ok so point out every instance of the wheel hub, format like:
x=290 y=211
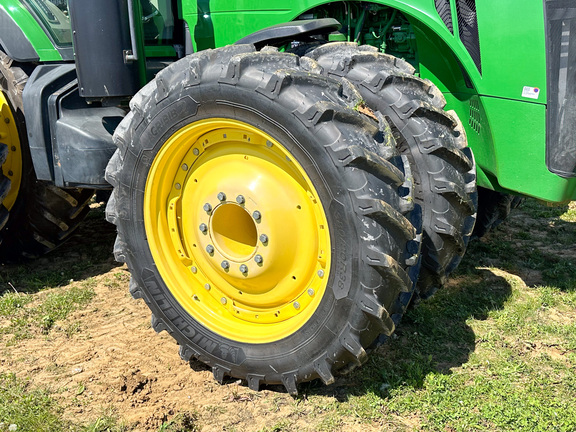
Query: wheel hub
x=238 y=232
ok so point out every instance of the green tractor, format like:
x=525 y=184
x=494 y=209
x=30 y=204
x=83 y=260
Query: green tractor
x=286 y=176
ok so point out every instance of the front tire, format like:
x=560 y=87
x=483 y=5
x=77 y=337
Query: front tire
x=264 y=221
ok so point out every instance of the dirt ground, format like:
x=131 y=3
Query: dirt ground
x=117 y=363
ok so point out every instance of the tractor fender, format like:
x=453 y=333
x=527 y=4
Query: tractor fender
x=13 y=40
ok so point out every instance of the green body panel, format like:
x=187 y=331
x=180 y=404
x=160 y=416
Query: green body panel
x=33 y=31
x=506 y=130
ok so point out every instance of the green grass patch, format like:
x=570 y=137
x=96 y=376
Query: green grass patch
x=27 y=315
x=28 y=409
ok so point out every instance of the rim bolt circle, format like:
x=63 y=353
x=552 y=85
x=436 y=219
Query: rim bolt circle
x=225 y=265
x=258 y=259
x=207 y=208
x=210 y=249
x=264 y=238
x=203 y=227
x=221 y=196
x=257 y=215
x=240 y=199
x=244 y=268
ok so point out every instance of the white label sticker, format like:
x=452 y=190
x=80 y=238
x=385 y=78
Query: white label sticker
x=531 y=92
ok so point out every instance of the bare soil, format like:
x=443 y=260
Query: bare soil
x=116 y=363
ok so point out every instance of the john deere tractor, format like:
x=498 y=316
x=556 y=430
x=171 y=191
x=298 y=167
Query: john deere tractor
x=286 y=176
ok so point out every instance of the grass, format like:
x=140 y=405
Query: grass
x=27 y=316
x=495 y=350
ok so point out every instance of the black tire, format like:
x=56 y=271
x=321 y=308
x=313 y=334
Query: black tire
x=42 y=216
x=434 y=141
x=493 y=208
x=352 y=163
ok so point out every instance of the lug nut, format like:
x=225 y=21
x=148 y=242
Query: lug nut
x=196 y=152
x=256 y=215
x=210 y=249
x=258 y=259
x=244 y=268
x=296 y=305
x=223 y=300
x=184 y=167
x=207 y=208
x=264 y=238
x=207 y=287
x=194 y=269
x=240 y=199
x=225 y=265
x=221 y=196
x=321 y=273
x=310 y=292
x=203 y=227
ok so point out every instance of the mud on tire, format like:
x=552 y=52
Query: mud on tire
x=434 y=141
x=354 y=176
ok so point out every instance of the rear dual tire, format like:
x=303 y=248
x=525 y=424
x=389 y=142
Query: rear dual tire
x=433 y=140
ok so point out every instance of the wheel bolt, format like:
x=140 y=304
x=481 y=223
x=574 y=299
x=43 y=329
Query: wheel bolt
x=321 y=273
x=207 y=287
x=210 y=249
x=310 y=292
x=225 y=265
x=203 y=227
x=256 y=215
x=223 y=300
x=184 y=167
x=194 y=269
x=207 y=208
x=258 y=259
x=240 y=199
x=296 y=305
x=221 y=196
x=244 y=268
x=264 y=238
x=196 y=152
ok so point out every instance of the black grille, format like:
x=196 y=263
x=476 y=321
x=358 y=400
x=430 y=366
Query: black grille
x=443 y=9
x=561 y=90
x=475 y=119
x=468 y=29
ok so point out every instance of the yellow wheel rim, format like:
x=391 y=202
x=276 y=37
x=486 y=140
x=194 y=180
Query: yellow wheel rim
x=12 y=166
x=237 y=230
